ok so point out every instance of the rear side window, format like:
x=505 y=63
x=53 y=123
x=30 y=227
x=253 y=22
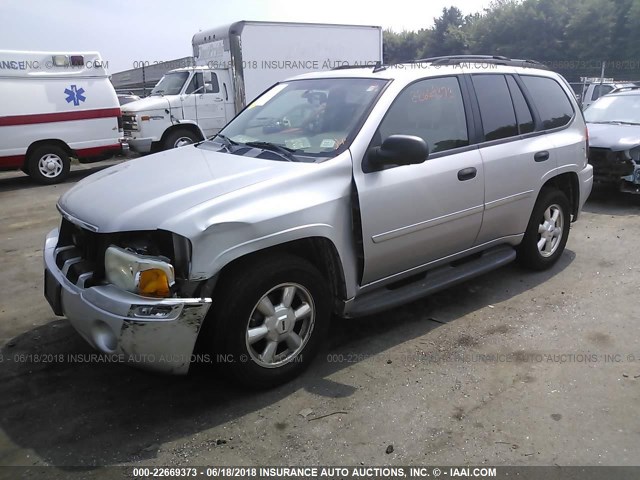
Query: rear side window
x=431 y=109
x=523 y=114
x=551 y=101
x=496 y=109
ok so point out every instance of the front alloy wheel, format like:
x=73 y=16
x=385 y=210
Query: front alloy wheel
x=280 y=325
x=269 y=318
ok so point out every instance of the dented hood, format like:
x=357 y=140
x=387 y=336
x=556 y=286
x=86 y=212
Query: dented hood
x=615 y=137
x=147 y=192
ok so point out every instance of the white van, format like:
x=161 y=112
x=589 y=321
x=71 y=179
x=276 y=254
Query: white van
x=54 y=106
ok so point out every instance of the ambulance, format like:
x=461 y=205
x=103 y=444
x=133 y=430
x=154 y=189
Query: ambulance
x=55 y=106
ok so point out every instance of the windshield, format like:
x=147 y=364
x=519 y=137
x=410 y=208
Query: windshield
x=309 y=118
x=614 y=109
x=170 y=84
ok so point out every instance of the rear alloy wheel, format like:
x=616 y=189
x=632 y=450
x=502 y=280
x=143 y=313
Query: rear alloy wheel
x=268 y=325
x=180 y=138
x=48 y=164
x=547 y=232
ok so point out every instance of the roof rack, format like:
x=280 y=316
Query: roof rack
x=377 y=67
x=625 y=89
x=492 y=59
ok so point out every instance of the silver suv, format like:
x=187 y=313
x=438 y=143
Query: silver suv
x=344 y=192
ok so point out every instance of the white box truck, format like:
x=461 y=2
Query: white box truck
x=233 y=65
x=55 y=105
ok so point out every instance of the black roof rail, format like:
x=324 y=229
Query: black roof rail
x=348 y=67
x=489 y=59
x=625 y=89
x=377 y=67
x=461 y=58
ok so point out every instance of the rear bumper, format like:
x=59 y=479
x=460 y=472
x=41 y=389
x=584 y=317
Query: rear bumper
x=109 y=319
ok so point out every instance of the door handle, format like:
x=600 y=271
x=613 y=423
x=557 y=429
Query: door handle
x=217 y=100
x=467 y=174
x=541 y=156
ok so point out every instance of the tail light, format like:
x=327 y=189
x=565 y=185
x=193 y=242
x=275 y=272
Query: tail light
x=586 y=144
x=586 y=135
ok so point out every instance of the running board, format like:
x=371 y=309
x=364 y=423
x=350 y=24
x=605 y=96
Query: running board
x=433 y=281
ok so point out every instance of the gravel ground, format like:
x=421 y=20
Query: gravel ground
x=511 y=368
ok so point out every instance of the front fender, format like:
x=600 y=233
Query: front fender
x=224 y=243
x=315 y=203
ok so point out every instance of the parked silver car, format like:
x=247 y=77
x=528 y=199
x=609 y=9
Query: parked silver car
x=344 y=192
x=614 y=139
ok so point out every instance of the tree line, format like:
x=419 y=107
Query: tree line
x=572 y=37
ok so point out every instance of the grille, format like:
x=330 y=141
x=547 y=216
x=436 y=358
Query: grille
x=79 y=254
x=128 y=121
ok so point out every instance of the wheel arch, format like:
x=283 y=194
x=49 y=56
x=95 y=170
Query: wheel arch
x=186 y=125
x=319 y=251
x=49 y=141
x=568 y=184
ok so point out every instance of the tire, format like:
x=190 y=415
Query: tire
x=179 y=138
x=48 y=164
x=547 y=231
x=284 y=343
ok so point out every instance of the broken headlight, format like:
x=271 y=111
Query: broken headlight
x=147 y=275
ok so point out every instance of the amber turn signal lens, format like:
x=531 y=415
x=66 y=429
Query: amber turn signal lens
x=153 y=283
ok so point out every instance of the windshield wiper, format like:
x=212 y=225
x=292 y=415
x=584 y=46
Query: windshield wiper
x=227 y=142
x=286 y=152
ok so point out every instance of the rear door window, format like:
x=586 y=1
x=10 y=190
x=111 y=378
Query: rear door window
x=496 y=109
x=553 y=105
x=523 y=113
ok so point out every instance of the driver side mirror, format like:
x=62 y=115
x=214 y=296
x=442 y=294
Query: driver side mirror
x=208 y=88
x=399 y=150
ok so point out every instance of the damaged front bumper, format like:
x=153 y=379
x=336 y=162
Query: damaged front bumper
x=156 y=334
x=615 y=168
x=631 y=182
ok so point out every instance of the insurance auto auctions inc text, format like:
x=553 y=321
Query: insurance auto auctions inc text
x=351 y=472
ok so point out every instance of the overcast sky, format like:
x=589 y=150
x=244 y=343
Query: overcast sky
x=124 y=31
